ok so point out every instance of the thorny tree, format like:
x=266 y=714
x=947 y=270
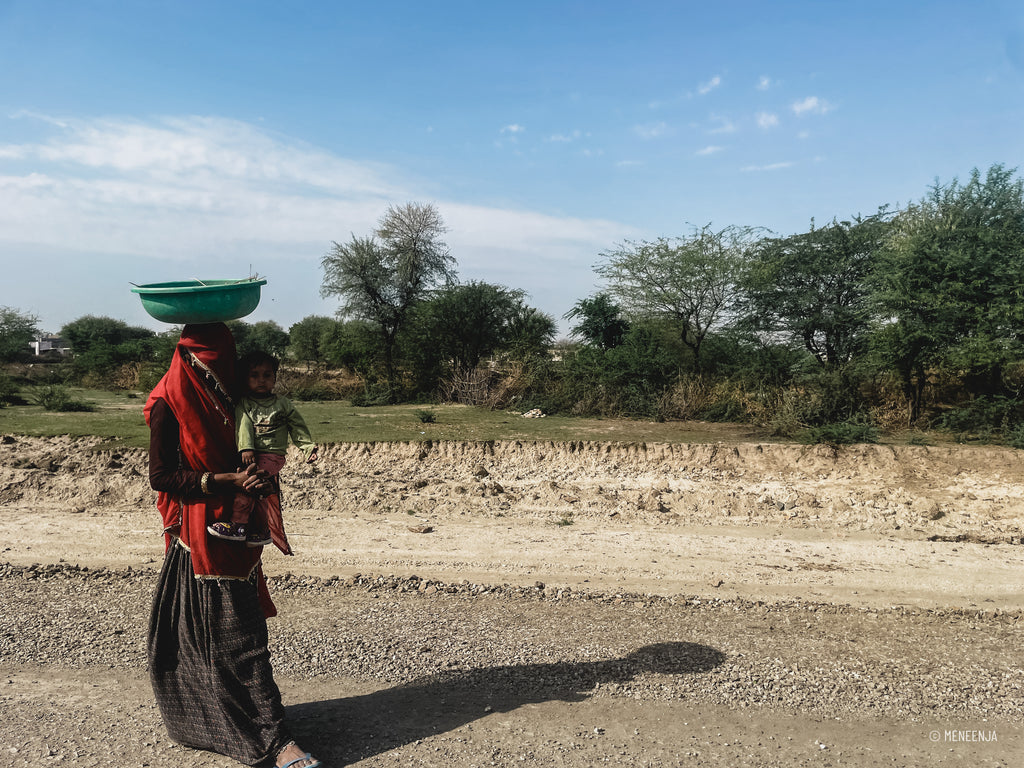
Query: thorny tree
x=380 y=278
x=688 y=280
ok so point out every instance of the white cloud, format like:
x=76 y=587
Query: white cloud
x=767 y=120
x=708 y=150
x=651 y=130
x=565 y=138
x=510 y=134
x=207 y=151
x=175 y=185
x=769 y=167
x=173 y=196
x=710 y=85
x=812 y=105
x=764 y=83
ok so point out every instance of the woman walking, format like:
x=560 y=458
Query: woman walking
x=209 y=660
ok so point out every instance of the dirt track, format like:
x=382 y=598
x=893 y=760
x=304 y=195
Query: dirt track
x=800 y=603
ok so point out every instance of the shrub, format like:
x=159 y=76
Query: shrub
x=785 y=417
x=425 y=416
x=984 y=415
x=372 y=395
x=918 y=438
x=53 y=398
x=9 y=392
x=842 y=433
x=315 y=392
x=318 y=385
x=726 y=400
x=149 y=376
x=474 y=386
x=1015 y=436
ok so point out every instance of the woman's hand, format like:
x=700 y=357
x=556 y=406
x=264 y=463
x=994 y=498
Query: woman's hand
x=249 y=479
x=255 y=481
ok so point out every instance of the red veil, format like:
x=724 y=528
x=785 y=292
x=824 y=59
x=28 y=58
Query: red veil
x=198 y=388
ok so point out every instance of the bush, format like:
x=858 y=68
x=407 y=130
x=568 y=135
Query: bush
x=696 y=397
x=842 y=433
x=318 y=385
x=785 y=419
x=985 y=416
x=319 y=392
x=149 y=375
x=58 y=399
x=425 y=416
x=1015 y=437
x=372 y=395
x=626 y=380
x=9 y=392
x=821 y=399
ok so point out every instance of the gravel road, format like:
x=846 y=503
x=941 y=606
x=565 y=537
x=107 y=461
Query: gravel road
x=389 y=671
x=705 y=605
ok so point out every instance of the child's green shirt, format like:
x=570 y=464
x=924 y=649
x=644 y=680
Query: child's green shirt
x=265 y=424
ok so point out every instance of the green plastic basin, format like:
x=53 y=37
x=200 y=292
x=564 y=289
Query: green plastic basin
x=200 y=301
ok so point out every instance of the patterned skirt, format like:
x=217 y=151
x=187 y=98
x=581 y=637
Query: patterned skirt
x=210 y=665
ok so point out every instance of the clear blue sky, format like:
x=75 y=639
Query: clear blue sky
x=160 y=140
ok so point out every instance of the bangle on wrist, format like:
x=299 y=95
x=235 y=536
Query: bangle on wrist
x=205 y=482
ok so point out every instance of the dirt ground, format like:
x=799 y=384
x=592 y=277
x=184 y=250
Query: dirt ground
x=809 y=574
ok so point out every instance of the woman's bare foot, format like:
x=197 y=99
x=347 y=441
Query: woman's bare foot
x=293 y=752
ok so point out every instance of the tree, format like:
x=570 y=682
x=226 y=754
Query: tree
x=17 y=331
x=91 y=331
x=451 y=333
x=354 y=345
x=382 y=277
x=626 y=379
x=530 y=333
x=688 y=280
x=950 y=285
x=101 y=345
x=308 y=338
x=264 y=336
x=464 y=323
x=600 y=321
x=812 y=288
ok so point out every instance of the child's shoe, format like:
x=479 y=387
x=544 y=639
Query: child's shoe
x=258 y=539
x=227 y=531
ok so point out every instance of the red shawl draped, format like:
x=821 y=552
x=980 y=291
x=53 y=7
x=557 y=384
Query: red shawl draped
x=197 y=388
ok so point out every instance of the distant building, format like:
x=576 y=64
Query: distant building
x=51 y=344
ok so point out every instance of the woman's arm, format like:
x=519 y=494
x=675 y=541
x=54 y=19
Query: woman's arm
x=168 y=473
x=166 y=470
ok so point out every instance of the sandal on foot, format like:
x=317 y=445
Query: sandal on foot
x=315 y=764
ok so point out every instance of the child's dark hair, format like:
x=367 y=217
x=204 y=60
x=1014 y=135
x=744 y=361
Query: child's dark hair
x=251 y=359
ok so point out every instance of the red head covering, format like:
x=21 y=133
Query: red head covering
x=198 y=389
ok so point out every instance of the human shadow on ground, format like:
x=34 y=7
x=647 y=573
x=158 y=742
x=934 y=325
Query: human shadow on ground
x=342 y=731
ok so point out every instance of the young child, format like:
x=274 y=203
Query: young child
x=264 y=422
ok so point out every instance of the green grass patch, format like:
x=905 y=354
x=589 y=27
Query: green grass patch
x=118 y=418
